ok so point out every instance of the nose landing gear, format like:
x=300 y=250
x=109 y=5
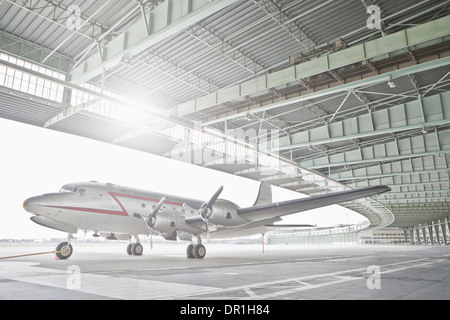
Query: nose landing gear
x=64 y=250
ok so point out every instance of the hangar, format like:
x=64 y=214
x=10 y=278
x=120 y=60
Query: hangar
x=313 y=96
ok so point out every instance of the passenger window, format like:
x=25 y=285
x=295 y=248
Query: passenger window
x=81 y=192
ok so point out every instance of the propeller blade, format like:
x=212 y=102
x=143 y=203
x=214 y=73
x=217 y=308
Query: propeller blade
x=151 y=217
x=207 y=231
x=214 y=197
x=151 y=240
x=204 y=210
x=158 y=206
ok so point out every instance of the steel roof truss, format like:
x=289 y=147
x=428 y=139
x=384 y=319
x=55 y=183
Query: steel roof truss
x=435 y=110
x=167 y=19
x=396 y=41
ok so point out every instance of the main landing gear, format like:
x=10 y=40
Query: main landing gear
x=196 y=251
x=135 y=249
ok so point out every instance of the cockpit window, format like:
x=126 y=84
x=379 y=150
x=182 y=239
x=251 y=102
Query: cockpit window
x=67 y=189
x=73 y=189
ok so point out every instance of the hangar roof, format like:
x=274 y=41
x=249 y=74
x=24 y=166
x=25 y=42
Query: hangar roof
x=313 y=96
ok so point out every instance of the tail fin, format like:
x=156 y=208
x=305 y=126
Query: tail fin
x=264 y=194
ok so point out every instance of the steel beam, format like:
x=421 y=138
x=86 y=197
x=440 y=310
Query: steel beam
x=164 y=21
x=389 y=174
x=389 y=181
x=435 y=110
x=430 y=144
x=67 y=112
x=391 y=43
x=353 y=85
x=226 y=48
x=32 y=52
x=97 y=95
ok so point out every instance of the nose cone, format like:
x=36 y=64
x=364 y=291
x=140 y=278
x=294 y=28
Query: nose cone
x=31 y=204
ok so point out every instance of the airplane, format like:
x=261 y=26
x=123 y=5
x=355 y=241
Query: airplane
x=118 y=212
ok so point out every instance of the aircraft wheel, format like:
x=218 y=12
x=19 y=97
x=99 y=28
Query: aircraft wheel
x=199 y=251
x=137 y=249
x=190 y=251
x=129 y=246
x=65 y=250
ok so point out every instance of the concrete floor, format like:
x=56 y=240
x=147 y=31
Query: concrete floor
x=229 y=272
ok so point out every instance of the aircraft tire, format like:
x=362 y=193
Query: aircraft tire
x=199 y=251
x=64 y=250
x=190 y=251
x=129 y=246
x=137 y=249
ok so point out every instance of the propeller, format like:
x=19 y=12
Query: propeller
x=151 y=218
x=206 y=209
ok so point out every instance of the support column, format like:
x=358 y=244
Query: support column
x=411 y=231
x=424 y=233
x=444 y=231
x=418 y=235
x=438 y=233
x=448 y=225
x=430 y=231
x=405 y=234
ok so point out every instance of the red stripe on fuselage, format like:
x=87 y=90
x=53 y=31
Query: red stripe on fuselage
x=117 y=213
x=114 y=195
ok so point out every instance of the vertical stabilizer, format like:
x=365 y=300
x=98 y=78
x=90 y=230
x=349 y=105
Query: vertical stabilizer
x=264 y=194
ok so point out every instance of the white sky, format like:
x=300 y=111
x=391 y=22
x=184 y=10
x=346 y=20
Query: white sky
x=34 y=161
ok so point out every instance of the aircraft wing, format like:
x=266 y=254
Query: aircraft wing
x=279 y=209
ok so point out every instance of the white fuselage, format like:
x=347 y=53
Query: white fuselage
x=107 y=207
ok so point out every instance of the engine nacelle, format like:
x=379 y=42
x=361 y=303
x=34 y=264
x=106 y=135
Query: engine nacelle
x=165 y=223
x=224 y=214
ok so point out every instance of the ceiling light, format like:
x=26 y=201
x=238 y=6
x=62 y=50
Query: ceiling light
x=391 y=83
